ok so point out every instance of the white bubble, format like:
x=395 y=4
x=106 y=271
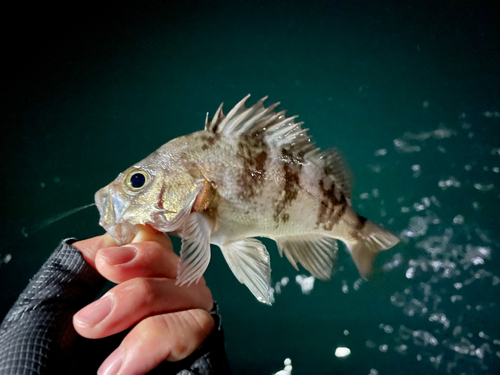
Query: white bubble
x=381 y=152
x=483 y=335
x=403 y=146
x=375 y=168
x=418 y=207
x=417 y=226
x=342 y=351
x=491 y=114
x=401 y=349
x=459 y=220
x=306 y=283
x=484 y=187
x=345 y=288
x=410 y=272
x=440 y=318
x=450 y=182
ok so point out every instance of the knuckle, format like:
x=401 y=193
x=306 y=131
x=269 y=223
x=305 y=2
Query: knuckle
x=144 y=289
x=204 y=321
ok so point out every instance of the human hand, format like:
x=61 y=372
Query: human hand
x=170 y=321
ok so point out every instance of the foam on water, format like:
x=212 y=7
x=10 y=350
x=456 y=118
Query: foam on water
x=453 y=298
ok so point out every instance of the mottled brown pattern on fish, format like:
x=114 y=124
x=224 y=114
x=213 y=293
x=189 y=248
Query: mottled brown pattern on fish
x=253 y=152
x=291 y=173
x=209 y=139
x=361 y=222
x=331 y=208
x=293 y=157
x=356 y=232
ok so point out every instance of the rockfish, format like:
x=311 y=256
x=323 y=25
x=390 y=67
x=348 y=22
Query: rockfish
x=252 y=173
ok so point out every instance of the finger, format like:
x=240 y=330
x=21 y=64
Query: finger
x=89 y=247
x=170 y=337
x=133 y=300
x=139 y=259
x=148 y=233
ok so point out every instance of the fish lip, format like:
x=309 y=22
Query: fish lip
x=111 y=208
x=122 y=233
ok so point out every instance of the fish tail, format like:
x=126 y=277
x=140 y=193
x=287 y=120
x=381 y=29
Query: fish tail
x=372 y=239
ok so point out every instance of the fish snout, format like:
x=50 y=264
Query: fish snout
x=105 y=206
x=111 y=209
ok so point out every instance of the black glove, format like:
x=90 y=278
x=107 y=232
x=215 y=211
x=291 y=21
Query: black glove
x=37 y=335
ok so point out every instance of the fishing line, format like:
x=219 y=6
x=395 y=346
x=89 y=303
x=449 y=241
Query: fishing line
x=52 y=220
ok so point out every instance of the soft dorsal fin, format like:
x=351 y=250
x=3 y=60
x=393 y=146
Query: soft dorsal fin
x=335 y=167
x=282 y=132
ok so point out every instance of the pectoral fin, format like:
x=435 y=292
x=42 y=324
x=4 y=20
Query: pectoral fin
x=249 y=261
x=316 y=254
x=195 y=249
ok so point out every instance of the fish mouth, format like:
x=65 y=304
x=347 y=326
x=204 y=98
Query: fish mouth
x=111 y=208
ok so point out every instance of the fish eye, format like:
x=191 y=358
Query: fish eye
x=136 y=180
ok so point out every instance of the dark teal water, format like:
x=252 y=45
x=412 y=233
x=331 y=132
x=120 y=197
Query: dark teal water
x=409 y=91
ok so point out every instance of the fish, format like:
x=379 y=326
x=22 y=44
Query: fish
x=251 y=173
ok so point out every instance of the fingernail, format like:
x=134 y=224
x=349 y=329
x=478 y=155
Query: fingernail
x=94 y=313
x=119 y=255
x=112 y=364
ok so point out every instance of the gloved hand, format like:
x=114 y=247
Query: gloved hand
x=169 y=322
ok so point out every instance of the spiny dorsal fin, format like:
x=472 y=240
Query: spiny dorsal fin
x=282 y=132
x=275 y=127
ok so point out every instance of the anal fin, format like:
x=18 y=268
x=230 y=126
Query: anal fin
x=250 y=263
x=195 y=249
x=316 y=254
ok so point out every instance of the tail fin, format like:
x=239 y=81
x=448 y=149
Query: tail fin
x=373 y=240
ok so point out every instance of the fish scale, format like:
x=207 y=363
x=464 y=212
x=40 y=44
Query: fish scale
x=251 y=173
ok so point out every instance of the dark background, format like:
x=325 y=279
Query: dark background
x=409 y=91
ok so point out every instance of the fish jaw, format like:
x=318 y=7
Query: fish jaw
x=111 y=209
